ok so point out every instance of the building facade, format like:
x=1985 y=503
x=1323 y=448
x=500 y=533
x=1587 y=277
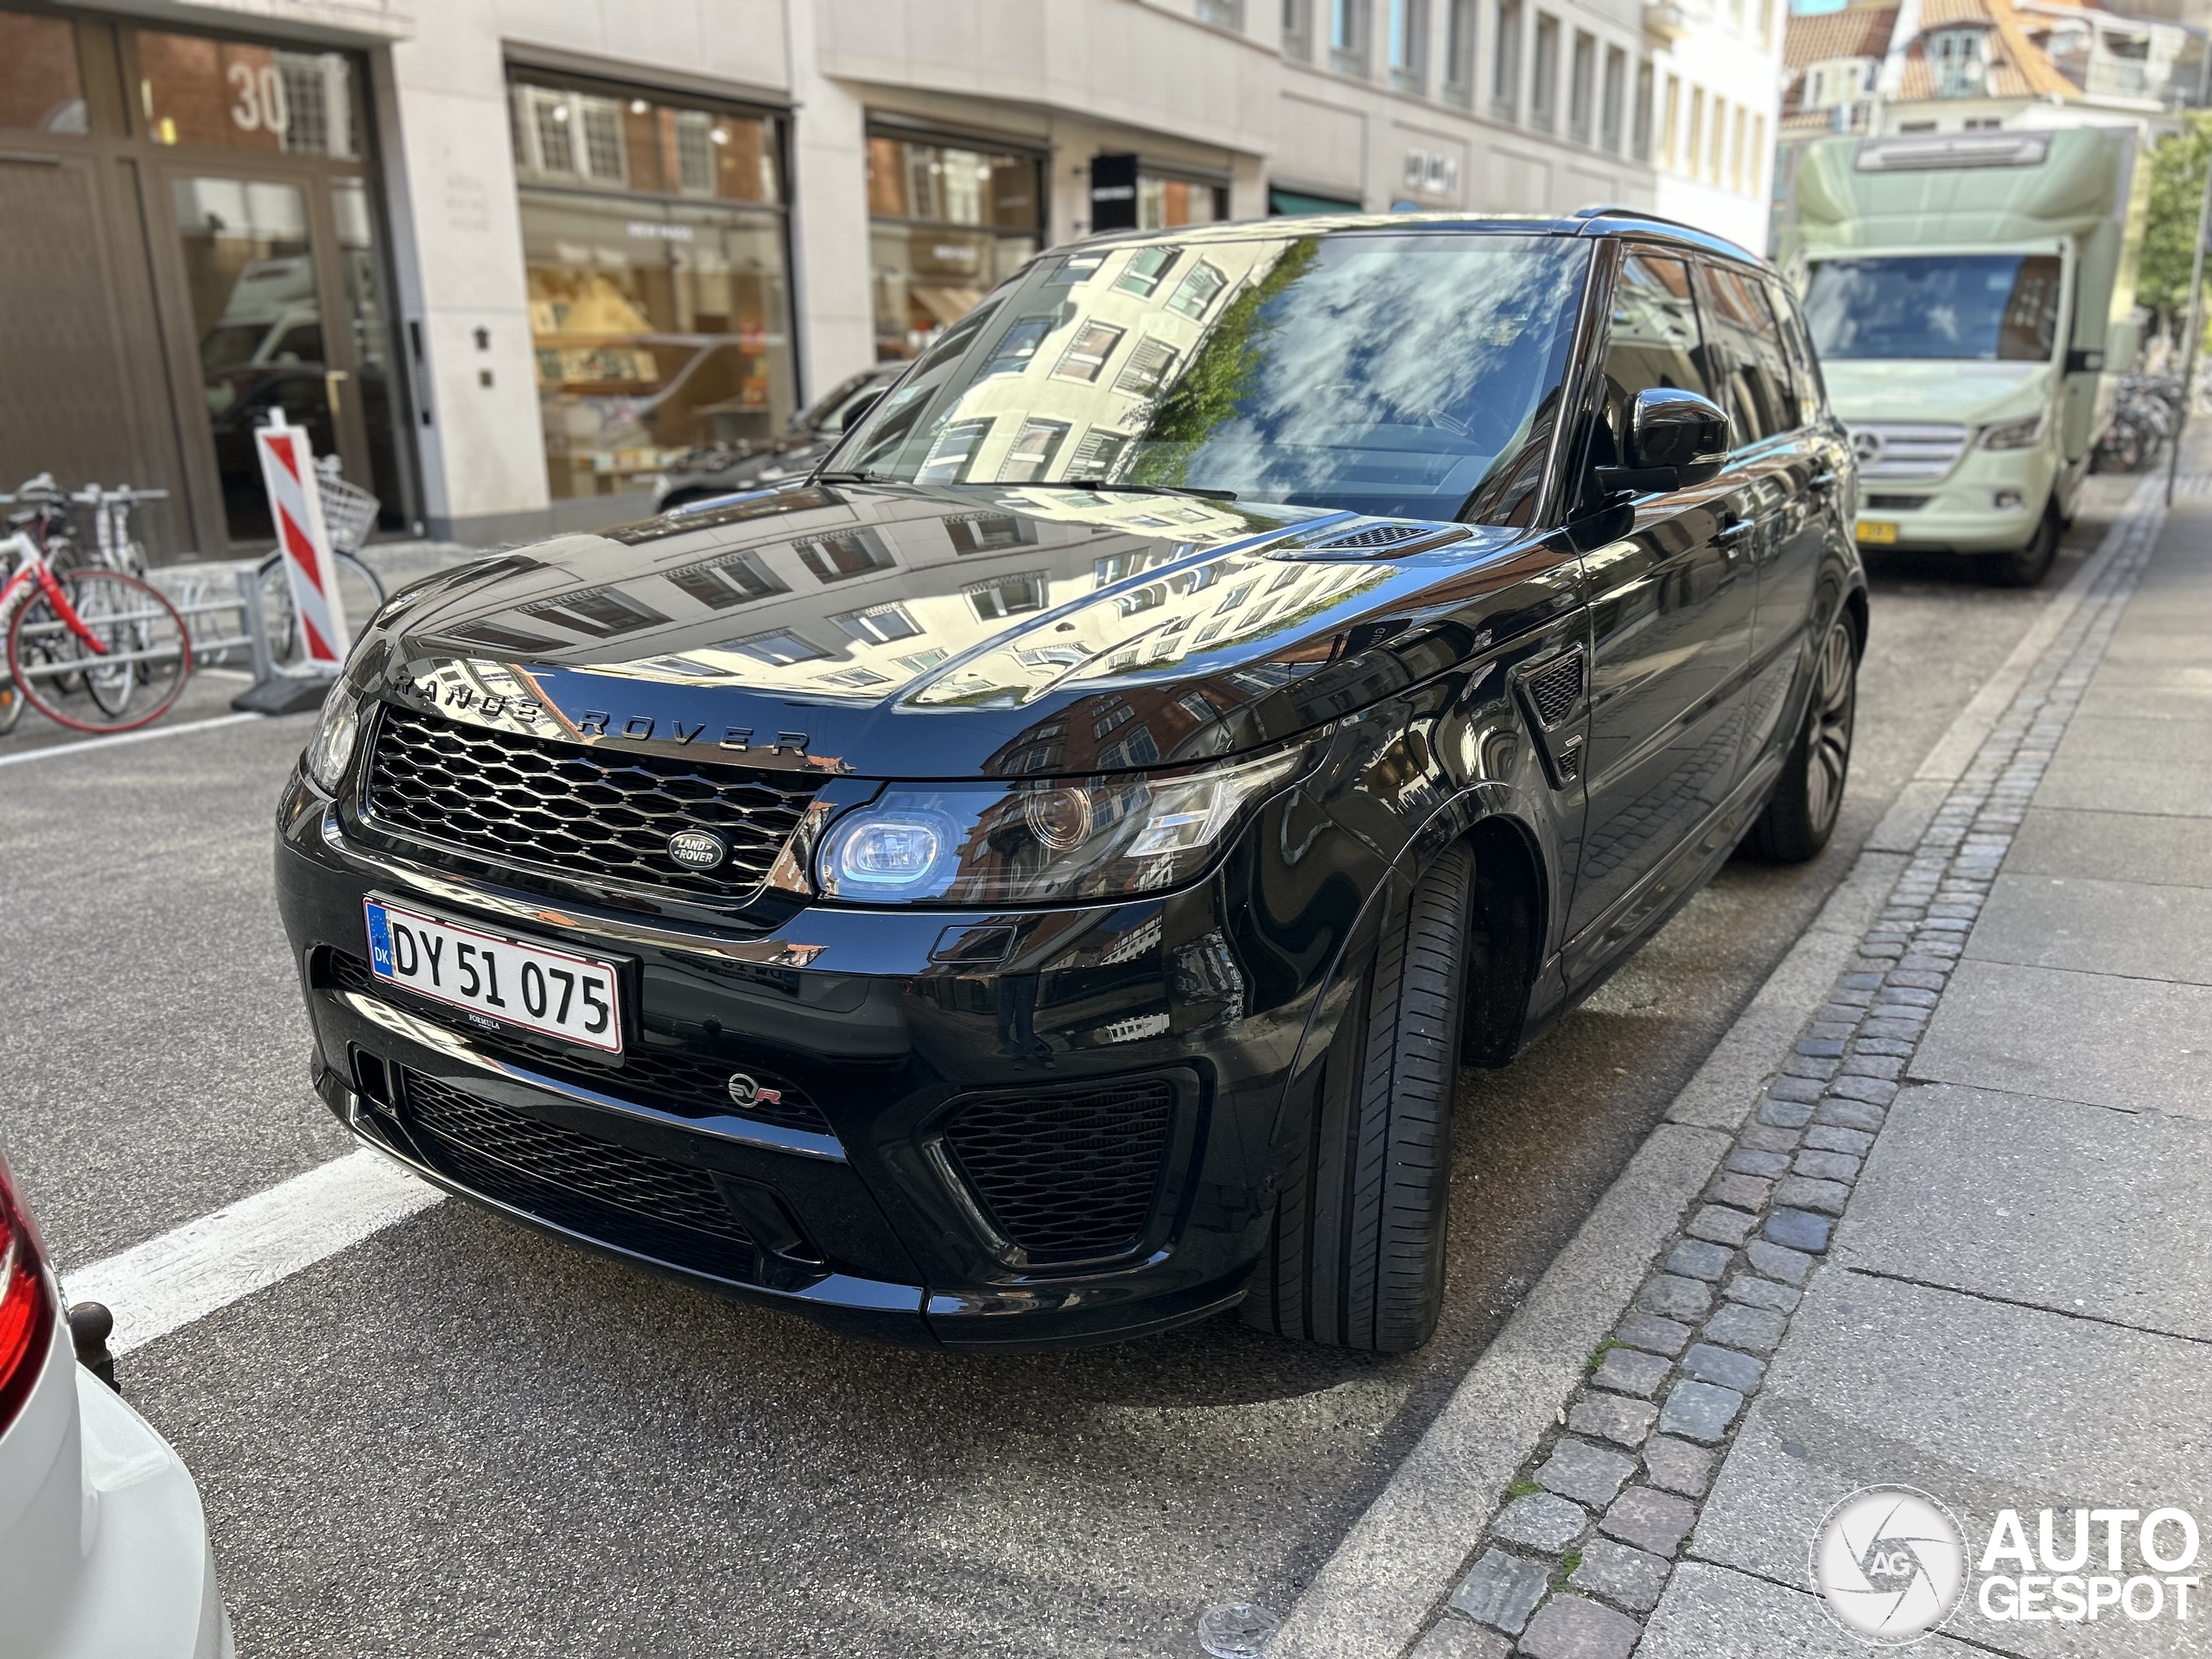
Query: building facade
x=1884 y=67
x=508 y=258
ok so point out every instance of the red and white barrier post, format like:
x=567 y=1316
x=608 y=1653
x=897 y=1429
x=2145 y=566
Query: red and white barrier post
x=296 y=508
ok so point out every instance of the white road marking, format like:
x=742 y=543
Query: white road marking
x=166 y=1283
x=121 y=738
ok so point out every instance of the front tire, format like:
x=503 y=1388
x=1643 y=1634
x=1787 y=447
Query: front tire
x=1355 y=1255
x=1801 y=813
x=2024 y=567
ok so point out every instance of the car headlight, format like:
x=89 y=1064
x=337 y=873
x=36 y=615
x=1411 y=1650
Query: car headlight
x=1046 y=841
x=2013 y=435
x=330 y=751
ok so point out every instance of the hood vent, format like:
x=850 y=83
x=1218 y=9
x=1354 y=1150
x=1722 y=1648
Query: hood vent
x=1379 y=541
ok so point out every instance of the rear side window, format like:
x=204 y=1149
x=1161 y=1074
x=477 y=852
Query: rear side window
x=1804 y=366
x=1745 y=355
x=1652 y=341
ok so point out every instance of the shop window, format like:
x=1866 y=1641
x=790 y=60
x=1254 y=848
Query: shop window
x=948 y=224
x=566 y=136
x=1164 y=203
x=1086 y=355
x=195 y=89
x=1147 y=266
x=722 y=583
x=659 y=298
x=41 y=84
x=1197 y=291
x=1034 y=446
x=954 y=453
x=839 y=557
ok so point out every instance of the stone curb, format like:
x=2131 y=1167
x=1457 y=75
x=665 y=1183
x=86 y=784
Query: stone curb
x=1607 y=1500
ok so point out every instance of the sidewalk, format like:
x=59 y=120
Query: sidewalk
x=1961 y=1245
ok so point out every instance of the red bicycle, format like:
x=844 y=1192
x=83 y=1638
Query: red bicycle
x=93 y=650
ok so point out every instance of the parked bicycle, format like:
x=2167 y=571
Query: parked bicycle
x=93 y=649
x=2143 y=421
x=114 y=543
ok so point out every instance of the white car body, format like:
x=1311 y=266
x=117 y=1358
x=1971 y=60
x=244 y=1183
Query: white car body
x=103 y=1550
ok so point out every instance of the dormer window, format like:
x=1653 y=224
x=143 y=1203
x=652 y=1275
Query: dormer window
x=1960 y=60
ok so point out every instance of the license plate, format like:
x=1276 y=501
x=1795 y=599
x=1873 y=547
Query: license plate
x=1878 y=531
x=499 y=981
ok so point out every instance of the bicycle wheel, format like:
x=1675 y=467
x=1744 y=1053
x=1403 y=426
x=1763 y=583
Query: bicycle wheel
x=358 y=591
x=112 y=655
x=11 y=705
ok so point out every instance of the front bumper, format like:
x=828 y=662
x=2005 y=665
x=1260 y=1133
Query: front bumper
x=1960 y=512
x=1074 y=1135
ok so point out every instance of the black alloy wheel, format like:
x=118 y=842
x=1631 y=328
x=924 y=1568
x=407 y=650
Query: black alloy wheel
x=1355 y=1255
x=1800 y=814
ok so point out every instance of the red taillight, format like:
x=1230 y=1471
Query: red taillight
x=27 y=1307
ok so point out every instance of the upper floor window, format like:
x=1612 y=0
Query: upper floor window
x=1959 y=58
x=1348 y=33
x=1223 y=13
x=1409 y=45
x=1834 y=82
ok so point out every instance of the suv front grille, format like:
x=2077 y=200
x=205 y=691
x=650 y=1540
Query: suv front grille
x=1067 y=1177
x=686 y=1084
x=595 y=814
x=632 y=1200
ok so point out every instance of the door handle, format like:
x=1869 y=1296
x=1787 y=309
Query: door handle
x=331 y=379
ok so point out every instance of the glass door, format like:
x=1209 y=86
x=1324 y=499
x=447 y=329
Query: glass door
x=258 y=319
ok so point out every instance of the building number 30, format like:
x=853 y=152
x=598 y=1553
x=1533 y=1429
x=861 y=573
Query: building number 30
x=261 y=107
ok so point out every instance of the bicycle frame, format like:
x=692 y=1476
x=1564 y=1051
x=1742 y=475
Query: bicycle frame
x=35 y=572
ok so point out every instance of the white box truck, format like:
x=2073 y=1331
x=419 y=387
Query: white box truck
x=1971 y=297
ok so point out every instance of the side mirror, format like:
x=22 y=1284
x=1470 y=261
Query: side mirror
x=1676 y=439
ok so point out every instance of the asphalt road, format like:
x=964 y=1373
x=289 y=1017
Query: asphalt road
x=458 y=1437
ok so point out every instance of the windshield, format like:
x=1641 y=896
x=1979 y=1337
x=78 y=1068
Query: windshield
x=1973 y=307
x=1412 y=376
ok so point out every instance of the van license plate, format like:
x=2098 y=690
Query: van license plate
x=1881 y=532
x=500 y=980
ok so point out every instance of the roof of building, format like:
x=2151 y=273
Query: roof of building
x=1860 y=31
x=2016 y=67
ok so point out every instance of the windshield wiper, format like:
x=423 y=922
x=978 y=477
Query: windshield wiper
x=1149 y=489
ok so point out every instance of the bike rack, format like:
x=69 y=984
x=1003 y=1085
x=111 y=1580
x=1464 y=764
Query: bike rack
x=276 y=689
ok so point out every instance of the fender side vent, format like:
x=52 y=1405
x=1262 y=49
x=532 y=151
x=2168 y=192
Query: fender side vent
x=1554 y=691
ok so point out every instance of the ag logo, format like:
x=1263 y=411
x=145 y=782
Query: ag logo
x=1890 y=1563
x=744 y=1091
x=698 y=849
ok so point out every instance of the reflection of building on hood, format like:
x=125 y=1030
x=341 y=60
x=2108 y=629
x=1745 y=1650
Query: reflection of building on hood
x=881 y=592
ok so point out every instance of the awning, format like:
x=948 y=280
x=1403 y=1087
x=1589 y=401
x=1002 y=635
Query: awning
x=1292 y=203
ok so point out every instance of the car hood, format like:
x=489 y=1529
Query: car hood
x=919 y=633
x=1969 y=393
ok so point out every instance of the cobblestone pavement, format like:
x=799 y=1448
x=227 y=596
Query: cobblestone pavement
x=1592 y=1532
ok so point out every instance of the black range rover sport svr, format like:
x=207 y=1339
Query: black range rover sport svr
x=1036 y=880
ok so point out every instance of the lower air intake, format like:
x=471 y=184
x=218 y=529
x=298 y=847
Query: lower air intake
x=632 y=1200
x=1067 y=1177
